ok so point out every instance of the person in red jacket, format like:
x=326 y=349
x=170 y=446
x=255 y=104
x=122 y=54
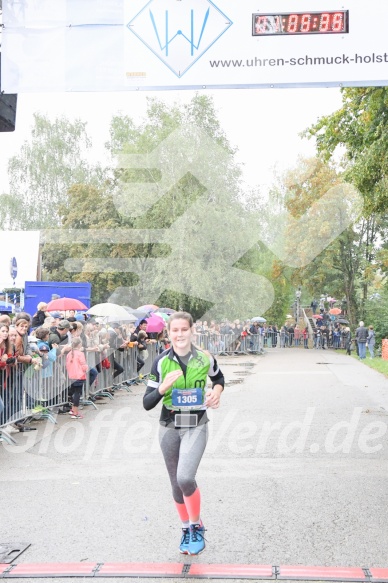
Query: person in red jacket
x=77 y=368
x=305 y=336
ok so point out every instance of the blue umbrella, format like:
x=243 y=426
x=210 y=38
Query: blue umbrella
x=139 y=314
x=167 y=311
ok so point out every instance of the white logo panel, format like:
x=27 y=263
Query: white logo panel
x=179 y=33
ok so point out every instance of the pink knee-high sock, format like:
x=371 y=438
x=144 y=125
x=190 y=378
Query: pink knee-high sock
x=193 y=505
x=182 y=511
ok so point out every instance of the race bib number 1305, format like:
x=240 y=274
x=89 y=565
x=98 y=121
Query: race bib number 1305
x=187 y=398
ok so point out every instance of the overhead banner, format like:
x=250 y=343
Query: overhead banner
x=118 y=45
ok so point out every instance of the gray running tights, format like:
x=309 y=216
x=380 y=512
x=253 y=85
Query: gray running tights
x=182 y=451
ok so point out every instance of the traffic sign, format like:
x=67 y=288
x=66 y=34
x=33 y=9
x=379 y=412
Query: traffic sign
x=13 y=268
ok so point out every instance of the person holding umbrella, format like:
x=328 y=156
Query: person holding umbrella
x=319 y=320
x=179 y=378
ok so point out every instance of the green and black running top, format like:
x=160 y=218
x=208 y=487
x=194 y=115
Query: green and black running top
x=196 y=367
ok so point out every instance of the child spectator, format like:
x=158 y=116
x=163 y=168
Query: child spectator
x=77 y=367
x=48 y=356
x=163 y=342
x=40 y=315
x=35 y=353
x=142 y=348
x=371 y=341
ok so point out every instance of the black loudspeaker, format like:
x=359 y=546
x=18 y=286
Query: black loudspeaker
x=8 y=104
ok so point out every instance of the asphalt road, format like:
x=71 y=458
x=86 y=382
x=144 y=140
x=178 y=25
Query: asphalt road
x=295 y=473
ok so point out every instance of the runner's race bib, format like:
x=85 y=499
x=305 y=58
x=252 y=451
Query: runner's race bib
x=187 y=398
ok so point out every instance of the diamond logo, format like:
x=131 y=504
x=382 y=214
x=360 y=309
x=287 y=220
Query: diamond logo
x=179 y=33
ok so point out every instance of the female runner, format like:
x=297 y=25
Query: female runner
x=179 y=378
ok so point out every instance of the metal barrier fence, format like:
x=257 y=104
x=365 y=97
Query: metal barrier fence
x=252 y=343
x=29 y=392
x=224 y=344
x=230 y=343
x=294 y=340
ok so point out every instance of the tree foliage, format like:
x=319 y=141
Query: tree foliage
x=45 y=168
x=377 y=311
x=347 y=266
x=197 y=212
x=361 y=126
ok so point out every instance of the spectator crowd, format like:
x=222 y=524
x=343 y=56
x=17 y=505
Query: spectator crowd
x=47 y=359
x=70 y=354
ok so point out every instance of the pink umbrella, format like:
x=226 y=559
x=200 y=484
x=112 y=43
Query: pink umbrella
x=155 y=323
x=317 y=317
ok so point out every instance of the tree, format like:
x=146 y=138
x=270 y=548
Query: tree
x=265 y=217
x=40 y=175
x=70 y=253
x=361 y=126
x=376 y=308
x=176 y=177
x=191 y=190
x=346 y=266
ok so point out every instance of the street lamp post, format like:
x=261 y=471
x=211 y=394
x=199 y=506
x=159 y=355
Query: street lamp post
x=298 y=294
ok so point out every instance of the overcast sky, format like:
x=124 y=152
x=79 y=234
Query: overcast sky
x=262 y=123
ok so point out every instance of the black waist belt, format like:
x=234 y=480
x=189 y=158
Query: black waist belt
x=171 y=417
x=199 y=412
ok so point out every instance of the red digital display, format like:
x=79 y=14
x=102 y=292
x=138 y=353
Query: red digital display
x=301 y=23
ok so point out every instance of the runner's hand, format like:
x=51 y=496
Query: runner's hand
x=169 y=381
x=212 y=399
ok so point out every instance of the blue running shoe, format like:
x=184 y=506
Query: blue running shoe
x=184 y=546
x=197 y=539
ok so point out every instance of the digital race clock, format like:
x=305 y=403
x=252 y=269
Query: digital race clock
x=301 y=23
